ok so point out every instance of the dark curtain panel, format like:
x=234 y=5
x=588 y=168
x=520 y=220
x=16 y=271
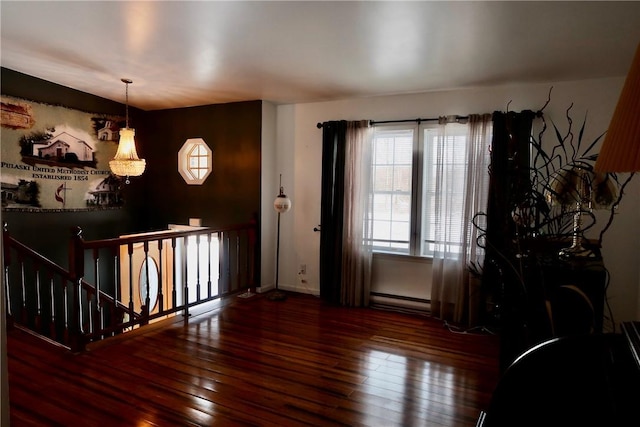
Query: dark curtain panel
x=332 y=209
x=509 y=185
x=509 y=180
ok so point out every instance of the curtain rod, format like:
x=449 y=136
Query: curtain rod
x=418 y=120
x=451 y=118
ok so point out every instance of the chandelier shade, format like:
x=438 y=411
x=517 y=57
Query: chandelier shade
x=126 y=161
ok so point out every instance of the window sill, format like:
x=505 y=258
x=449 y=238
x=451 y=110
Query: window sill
x=403 y=257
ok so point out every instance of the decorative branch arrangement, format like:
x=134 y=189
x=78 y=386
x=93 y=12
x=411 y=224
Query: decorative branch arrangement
x=563 y=189
x=545 y=193
x=569 y=185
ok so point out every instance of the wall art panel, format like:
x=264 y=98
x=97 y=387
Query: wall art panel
x=57 y=159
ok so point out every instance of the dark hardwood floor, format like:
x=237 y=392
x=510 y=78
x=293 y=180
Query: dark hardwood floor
x=261 y=363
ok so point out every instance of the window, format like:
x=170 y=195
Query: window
x=407 y=162
x=194 y=161
x=392 y=172
x=453 y=155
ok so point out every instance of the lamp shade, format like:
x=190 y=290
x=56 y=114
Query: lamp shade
x=282 y=203
x=575 y=184
x=620 y=150
x=126 y=161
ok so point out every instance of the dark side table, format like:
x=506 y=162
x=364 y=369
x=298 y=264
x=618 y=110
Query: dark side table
x=562 y=297
x=575 y=289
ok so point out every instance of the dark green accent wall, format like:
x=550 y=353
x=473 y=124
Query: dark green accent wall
x=48 y=232
x=230 y=195
x=35 y=89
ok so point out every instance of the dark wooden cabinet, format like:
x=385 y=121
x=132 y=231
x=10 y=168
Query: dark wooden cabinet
x=575 y=290
x=554 y=297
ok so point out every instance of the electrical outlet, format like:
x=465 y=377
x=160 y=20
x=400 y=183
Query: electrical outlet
x=303 y=269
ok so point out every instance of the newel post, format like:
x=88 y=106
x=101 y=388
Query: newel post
x=76 y=270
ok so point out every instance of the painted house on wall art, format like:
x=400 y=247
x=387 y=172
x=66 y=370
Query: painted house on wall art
x=106 y=193
x=110 y=131
x=64 y=147
x=9 y=193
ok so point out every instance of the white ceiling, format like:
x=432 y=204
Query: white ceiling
x=185 y=53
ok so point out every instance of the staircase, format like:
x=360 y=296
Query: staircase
x=112 y=286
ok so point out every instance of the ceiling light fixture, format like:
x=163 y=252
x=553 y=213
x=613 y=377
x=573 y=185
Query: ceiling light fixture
x=126 y=162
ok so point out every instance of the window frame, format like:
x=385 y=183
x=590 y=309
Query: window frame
x=463 y=133
x=184 y=161
x=417 y=245
x=415 y=194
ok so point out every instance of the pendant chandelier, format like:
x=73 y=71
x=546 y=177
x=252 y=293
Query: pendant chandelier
x=126 y=162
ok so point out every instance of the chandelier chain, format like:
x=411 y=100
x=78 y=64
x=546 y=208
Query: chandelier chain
x=126 y=108
x=126 y=97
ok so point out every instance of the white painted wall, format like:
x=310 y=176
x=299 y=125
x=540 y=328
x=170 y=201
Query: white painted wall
x=268 y=184
x=277 y=158
x=401 y=276
x=299 y=148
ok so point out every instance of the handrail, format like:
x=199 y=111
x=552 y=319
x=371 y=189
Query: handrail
x=16 y=244
x=30 y=252
x=108 y=290
x=24 y=252
x=153 y=235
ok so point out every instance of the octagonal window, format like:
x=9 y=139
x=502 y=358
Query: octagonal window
x=195 y=160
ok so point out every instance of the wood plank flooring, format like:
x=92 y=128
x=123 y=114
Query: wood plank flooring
x=257 y=362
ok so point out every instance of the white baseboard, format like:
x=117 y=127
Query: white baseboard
x=264 y=288
x=284 y=287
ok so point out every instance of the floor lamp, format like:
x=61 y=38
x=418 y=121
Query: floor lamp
x=282 y=204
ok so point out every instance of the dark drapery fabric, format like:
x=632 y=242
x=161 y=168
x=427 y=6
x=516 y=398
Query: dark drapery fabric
x=332 y=209
x=509 y=175
x=509 y=186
